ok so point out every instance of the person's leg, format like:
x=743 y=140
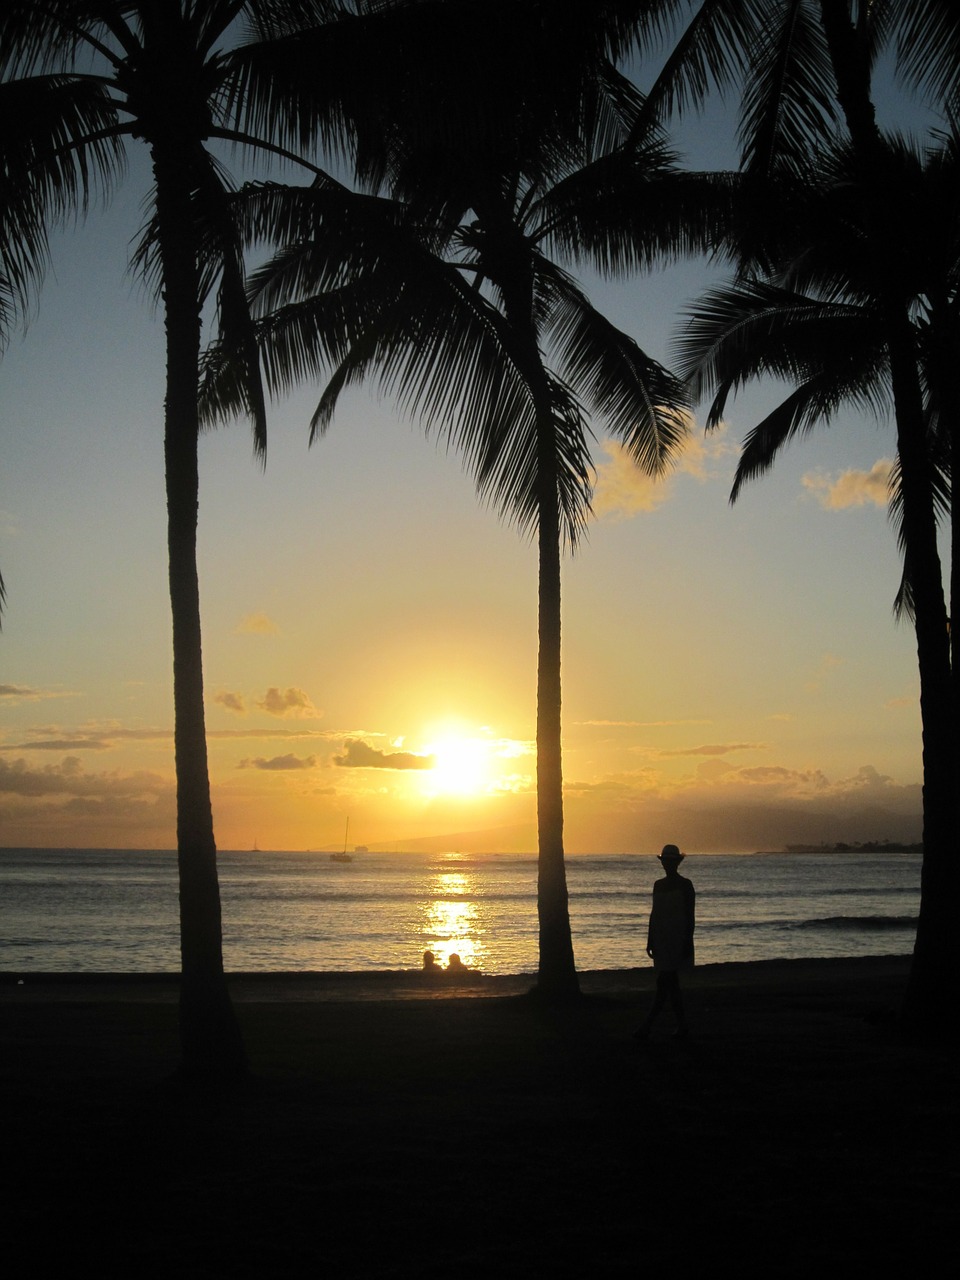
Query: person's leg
x=659 y=1000
x=676 y=1002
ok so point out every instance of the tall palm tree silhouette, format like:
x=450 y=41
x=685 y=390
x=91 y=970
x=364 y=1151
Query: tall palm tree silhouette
x=457 y=299
x=810 y=86
x=177 y=76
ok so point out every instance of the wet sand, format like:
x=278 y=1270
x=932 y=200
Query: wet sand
x=397 y=1126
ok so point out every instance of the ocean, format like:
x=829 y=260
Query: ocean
x=95 y=910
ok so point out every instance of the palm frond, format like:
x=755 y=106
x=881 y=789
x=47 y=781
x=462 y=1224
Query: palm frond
x=790 y=96
x=708 y=54
x=639 y=401
x=751 y=328
x=633 y=211
x=928 y=50
x=59 y=147
x=941 y=487
x=39 y=37
x=812 y=404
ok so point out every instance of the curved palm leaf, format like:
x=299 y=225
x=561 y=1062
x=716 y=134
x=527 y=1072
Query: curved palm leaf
x=789 y=98
x=640 y=401
x=928 y=46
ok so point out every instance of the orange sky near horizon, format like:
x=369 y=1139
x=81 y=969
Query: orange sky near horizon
x=732 y=679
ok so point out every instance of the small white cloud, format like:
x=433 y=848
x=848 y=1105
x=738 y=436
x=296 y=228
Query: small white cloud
x=622 y=490
x=280 y=764
x=291 y=702
x=232 y=702
x=852 y=488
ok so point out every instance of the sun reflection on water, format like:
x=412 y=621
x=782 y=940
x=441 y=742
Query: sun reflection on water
x=451 y=921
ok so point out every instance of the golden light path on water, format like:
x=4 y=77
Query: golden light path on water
x=450 y=923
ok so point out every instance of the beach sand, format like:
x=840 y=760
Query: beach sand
x=396 y=1127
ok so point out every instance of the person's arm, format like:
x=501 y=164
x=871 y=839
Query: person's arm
x=690 y=905
x=650 y=925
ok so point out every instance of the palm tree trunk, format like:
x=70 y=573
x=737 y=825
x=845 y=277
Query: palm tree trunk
x=210 y=1037
x=557 y=973
x=850 y=57
x=935 y=966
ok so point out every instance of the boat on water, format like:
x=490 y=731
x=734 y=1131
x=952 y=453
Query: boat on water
x=344 y=856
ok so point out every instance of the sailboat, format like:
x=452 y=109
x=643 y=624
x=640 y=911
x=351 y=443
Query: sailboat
x=343 y=857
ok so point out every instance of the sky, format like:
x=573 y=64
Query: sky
x=733 y=677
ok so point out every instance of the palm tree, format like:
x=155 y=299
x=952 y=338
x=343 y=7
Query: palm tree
x=454 y=296
x=807 y=73
x=852 y=316
x=176 y=76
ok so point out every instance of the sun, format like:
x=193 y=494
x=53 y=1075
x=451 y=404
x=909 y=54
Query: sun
x=462 y=764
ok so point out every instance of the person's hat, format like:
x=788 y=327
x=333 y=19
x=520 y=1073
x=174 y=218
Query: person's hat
x=670 y=853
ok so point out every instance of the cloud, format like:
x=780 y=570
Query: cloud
x=852 y=488
x=276 y=733
x=27 y=694
x=288 y=702
x=622 y=490
x=717 y=782
x=702 y=453
x=232 y=702
x=134 y=735
x=725 y=808
x=256 y=624
x=636 y=724
x=68 y=778
x=616 y=786
x=797 y=781
x=89 y=738
x=359 y=755
x=47 y=805
x=715 y=749
x=762 y=784
x=280 y=764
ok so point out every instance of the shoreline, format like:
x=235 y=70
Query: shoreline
x=307 y=986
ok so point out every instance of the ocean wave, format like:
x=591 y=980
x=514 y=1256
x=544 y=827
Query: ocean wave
x=865 y=923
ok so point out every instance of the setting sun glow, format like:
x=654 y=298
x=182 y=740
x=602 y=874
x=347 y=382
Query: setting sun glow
x=462 y=765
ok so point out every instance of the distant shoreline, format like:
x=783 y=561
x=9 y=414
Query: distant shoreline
x=867 y=846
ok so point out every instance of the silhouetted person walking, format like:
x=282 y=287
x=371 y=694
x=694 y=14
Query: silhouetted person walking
x=670 y=938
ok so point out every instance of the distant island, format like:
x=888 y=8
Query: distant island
x=857 y=846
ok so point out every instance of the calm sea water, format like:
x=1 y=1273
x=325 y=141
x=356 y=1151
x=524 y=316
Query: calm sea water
x=113 y=910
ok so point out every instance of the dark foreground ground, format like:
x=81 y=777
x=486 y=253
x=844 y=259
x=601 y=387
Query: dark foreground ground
x=395 y=1129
